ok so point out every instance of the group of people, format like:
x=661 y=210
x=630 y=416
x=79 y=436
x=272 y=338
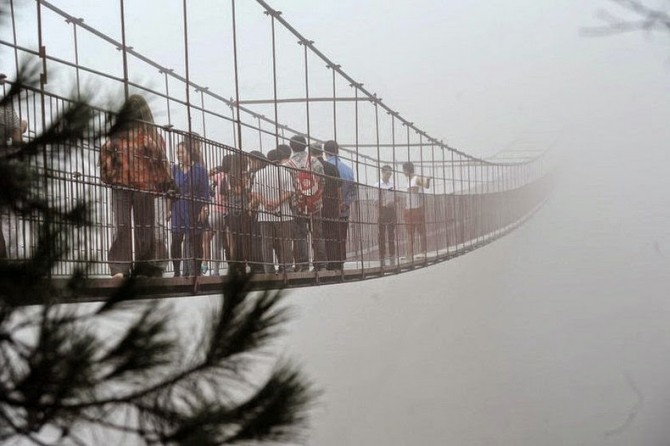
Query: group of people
x=254 y=210
x=259 y=212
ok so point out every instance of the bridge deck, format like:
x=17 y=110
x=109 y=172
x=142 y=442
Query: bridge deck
x=97 y=289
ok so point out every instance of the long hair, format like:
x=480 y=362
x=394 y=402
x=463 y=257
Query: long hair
x=136 y=114
x=192 y=145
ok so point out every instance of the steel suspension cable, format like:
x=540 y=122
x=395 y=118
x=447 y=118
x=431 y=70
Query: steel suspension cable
x=124 y=51
x=274 y=75
x=237 y=83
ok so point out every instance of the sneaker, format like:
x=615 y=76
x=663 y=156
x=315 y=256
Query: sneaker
x=117 y=276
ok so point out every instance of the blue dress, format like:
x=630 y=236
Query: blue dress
x=193 y=196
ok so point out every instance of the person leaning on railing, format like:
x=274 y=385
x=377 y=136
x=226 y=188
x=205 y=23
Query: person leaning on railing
x=271 y=195
x=415 y=214
x=238 y=218
x=257 y=162
x=189 y=212
x=11 y=128
x=218 y=213
x=134 y=164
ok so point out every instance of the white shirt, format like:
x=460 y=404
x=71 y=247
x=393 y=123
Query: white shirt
x=387 y=194
x=415 y=193
x=270 y=183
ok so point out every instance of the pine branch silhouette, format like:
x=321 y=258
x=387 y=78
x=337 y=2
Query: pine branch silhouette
x=120 y=369
x=631 y=15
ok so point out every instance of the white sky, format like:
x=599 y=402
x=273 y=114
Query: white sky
x=483 y=76
x=535 y=339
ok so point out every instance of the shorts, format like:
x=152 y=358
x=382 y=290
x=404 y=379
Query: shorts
x=414 y=216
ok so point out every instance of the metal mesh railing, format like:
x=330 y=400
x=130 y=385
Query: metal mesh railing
x=240 y=228
x=466 y=201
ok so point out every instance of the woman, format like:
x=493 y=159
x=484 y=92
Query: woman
x=133 y=162
x=219 y=212
x=238 y=219
x=414 y=214
x=189 y=211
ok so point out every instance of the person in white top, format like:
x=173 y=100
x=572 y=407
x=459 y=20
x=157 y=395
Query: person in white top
x=271 y=194
x=219 y=211
x=387 y=215
x=415 y=215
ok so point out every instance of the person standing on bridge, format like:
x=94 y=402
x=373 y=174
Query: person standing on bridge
x=284 y=153
x=415 y=214
x=348 y=194
x=387 y=215
x=257 y=162
x=271 y=194
x=218 y=213
x=238 y=219
x=308 y=185
x=330 y=213
x=11 y=128
x=134 y=164
x=189 y=214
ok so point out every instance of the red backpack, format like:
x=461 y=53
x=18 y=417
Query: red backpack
x=308 y=190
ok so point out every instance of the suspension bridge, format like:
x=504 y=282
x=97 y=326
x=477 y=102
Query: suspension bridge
x=259 y=102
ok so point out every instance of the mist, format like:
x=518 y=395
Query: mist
x=556 y=334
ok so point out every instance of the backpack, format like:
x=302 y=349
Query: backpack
x=308 y=190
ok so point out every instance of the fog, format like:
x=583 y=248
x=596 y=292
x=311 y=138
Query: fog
x=556 y=334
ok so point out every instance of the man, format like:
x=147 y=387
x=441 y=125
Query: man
x=257 y=161
x=237 y=216
x=271 y=194
x=284 y=153
x=415 y=214
x=387 y=216
x=348 y=193
x=308 y=183
x=330 y=212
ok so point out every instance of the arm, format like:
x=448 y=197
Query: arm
x=201 y=192
x=16 y=137
x=106 y=162
x=348 y=192
x=12 y=118
x=285 y=183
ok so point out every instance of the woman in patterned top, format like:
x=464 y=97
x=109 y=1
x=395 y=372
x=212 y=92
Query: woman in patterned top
x=134 y=164
x=189 y=211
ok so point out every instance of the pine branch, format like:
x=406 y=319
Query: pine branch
x=644 y=18
x=61 y=371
